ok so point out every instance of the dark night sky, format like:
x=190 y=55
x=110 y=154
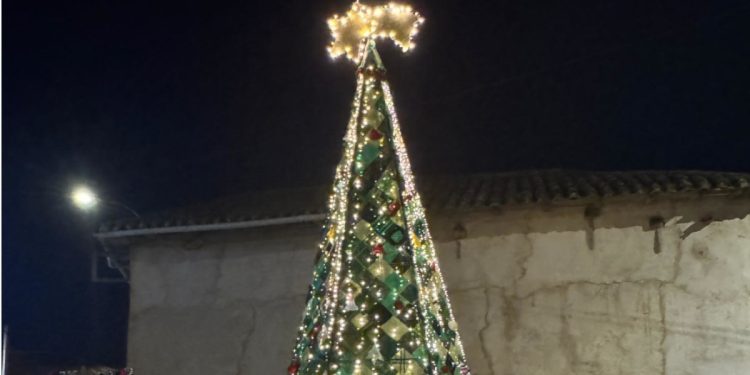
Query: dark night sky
x=159 y=104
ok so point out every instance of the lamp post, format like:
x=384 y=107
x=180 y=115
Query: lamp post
x=87 y=200
x=5 y=350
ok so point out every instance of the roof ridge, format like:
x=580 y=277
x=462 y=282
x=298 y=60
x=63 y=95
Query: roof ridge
x=454 y=191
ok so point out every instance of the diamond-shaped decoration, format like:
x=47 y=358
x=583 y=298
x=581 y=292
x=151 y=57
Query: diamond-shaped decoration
x=421 y=354
x=374 y=118
x=360 y=247
x=380 y=269
x=380 y=314
x=360 y=320
x=388 y=346
x=390 y=298
x=410 y=293
x=375 y=354
x=395 y=282
x=441 y=351
x=405 y=364
x=363 y=231
x=394 y=328
x=391 y=252
x=370 y=152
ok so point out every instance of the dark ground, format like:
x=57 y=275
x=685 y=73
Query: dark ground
x=158 y=104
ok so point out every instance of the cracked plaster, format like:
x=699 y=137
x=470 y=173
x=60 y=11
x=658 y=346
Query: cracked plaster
x=530 y=295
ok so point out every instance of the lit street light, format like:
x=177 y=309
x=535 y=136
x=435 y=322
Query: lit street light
x=84 y=198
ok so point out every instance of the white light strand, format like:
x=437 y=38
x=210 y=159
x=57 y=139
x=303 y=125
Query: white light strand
x=337 y=207
x=416 y=208
x=342 y=190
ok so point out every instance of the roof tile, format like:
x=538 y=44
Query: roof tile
x=454 y=192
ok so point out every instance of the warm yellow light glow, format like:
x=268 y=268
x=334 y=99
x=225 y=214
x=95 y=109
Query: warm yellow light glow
x=83 y=198
x=398 y=22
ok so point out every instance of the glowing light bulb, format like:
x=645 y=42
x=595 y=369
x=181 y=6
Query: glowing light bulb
x=84 y=198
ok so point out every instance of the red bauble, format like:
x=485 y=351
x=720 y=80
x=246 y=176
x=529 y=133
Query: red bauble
x=314 y=332
x=447 y=369
x=293 y=368
x=378 y=249
x=433 y=266
x=393 y=208
x=375 y=135
x=399 y=305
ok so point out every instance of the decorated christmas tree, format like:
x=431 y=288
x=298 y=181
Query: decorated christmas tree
x=377 y=303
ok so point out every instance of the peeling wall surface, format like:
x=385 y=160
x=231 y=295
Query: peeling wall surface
x=628 y=288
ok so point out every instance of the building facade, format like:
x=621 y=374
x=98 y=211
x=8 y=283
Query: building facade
x=549 y=272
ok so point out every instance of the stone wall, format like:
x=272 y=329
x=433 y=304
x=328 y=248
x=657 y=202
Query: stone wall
x=623 y=288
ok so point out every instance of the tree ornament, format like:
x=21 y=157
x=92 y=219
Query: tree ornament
x=375 y=135
x=393 y=207
x=398 y=305
x=351 y=305
x=374 y=354
x=293 y=368
x=447 y=369
x=378 y=249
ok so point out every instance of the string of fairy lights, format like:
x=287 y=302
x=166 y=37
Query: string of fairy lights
x=337 y=207
x=415 y=213
x=361 y=23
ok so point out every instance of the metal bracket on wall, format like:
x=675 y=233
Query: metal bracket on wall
x=109 y=265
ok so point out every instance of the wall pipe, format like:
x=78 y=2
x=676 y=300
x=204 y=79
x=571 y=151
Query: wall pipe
x=210 y=227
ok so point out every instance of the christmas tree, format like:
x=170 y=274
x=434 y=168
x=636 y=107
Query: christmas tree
x=377 y=303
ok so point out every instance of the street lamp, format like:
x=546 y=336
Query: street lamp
x=86 y=200
x=83 y=198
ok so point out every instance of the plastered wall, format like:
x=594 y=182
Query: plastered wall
x=623 y=288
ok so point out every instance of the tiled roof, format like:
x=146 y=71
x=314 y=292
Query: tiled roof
x=455 y=192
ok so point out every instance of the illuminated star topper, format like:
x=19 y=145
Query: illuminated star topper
x=399 y=22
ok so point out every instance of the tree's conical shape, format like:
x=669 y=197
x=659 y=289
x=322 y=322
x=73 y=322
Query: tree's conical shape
x=377 y=303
